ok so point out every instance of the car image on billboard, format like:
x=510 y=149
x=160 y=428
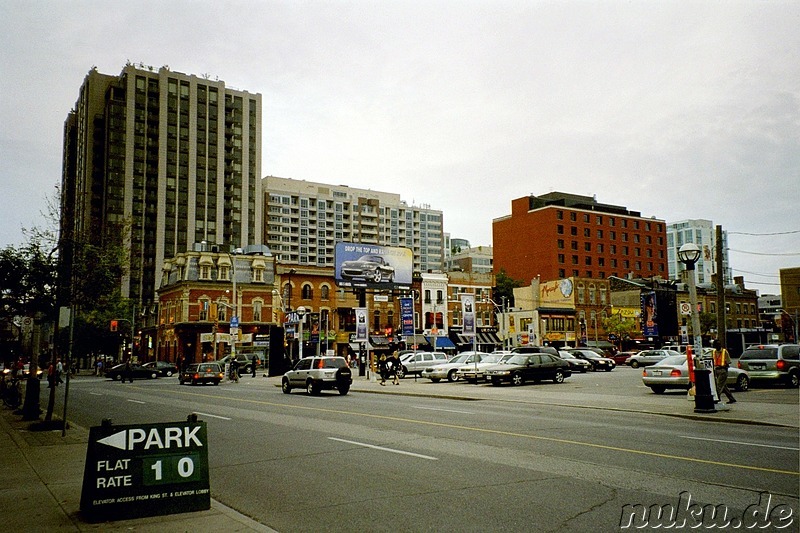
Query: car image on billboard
x=365 y=265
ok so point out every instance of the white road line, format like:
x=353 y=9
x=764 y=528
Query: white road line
x=135 y=401
x=446 y=410
x=212 y=416
x=743 y=443
x=95 y=394
x=385 y=449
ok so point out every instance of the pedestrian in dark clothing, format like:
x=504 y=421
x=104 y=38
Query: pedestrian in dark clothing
x=383 y=368
x=127 y=372
x=234 y=370
x=395 y=368
x=255 y=364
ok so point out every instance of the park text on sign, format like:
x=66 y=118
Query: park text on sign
x=163 y=466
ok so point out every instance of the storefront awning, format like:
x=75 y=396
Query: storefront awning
x=419 y=340
x=379 y=341
x=488 y=337
x=441 y=342
x=355 y=346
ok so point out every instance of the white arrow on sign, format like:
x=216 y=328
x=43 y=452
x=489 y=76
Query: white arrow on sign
x=117 y=440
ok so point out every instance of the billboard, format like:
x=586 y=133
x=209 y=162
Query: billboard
x=649 y=314
x=556 y=293
x=373 y=266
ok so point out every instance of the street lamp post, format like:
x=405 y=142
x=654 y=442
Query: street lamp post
x=301 y=313
x=689 y=254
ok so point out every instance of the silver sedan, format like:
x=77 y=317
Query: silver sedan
x=673 y=373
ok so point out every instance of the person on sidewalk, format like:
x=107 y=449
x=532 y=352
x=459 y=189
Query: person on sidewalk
x=396 y=368
x=255 y=364
x=383 y=368
x=722 y=361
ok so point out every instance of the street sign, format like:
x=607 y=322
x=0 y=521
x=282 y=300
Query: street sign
x=686 y=309
x=145 y=470
x=234 y=321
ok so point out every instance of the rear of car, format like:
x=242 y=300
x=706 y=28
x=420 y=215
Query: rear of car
x=201 y=373
x=315 y=374
x=772 y=363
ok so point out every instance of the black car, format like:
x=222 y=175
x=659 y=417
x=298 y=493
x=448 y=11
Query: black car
x=164 y=368
x=598 y=362
x=136 y=372
x=528 y=367
x=372 y=268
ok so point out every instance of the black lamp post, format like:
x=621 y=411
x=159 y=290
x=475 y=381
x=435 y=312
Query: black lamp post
x=689 y=254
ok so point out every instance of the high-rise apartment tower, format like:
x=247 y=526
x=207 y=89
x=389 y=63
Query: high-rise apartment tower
x=160 y=160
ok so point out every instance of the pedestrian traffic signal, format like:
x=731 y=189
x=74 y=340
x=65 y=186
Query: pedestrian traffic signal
x=114 y=325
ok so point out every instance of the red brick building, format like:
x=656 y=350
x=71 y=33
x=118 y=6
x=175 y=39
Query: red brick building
x=560 y=235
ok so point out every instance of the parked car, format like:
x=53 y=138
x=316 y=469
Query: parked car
x=779 y=363
x=620 y=357
x=576 y=364
x=597 y=362
x=529 y=367
x=315 y=374
x=535 y=349
x=136 y=372
x=673 y=373
x=164 y=368
x=648 y=357
x=201 y=373
x=449 y=370
x=680 y=348
x=474 y=372
x=415 y=362
x=369 y=267
x=244 y=362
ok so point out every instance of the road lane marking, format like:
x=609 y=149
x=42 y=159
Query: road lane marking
x=135 y=401
x=212 y=416
x=445 y=410
x=95 y=394
x=381 y=448
x=680 y=458
x=742 y=443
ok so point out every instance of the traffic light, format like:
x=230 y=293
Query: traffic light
x=114 y=325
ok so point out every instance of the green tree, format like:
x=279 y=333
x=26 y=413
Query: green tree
x=619 y=326
x=708 y=321
x=504 y=286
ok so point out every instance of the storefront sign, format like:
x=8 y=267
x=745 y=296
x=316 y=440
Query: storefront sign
x=145 y=470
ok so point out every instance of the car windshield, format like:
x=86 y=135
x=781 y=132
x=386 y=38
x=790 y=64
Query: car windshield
x=518 y=359
x=566 y=355
x=462 y=358
x=760 y=353
x=491 y=358
x=672 y=360
x=371 y=259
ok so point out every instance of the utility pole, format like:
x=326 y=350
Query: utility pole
x=721 y=323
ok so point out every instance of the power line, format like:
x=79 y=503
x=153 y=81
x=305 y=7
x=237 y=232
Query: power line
x=761 y=253
x=756 y=273
x=764 y=234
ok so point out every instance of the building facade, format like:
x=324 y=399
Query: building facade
x=703 y=234
x=157 y=160
x=305 y=220
x=560 y=235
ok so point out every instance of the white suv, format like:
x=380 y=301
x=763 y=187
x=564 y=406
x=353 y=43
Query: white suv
x=417 y=362
x=317 y=373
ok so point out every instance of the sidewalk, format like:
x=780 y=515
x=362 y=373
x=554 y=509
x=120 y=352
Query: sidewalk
x=41 y=492
x=40 y=488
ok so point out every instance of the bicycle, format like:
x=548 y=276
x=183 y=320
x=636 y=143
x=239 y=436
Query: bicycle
x=11 y=393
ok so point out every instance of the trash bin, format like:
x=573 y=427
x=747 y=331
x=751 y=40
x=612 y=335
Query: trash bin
x=703 y=398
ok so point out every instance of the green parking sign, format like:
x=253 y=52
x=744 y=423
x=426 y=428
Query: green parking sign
x=146 y=470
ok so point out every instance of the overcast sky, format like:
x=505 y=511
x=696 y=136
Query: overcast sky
x=684 y=109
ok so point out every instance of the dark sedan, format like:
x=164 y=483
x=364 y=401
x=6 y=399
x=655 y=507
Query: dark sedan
x=598 y=362
x=136 y=372
x=164 y=368
x=528 y=367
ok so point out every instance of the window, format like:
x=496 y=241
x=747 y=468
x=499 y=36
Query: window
x=599 y=234
x=325 y=292
x=257 y=311
x=204 y=305
x=587 y=246
x=600 y=248
x=562 y=273
x=561 y=259
x=587 y=232
x=574 y=245
x=573 y=216
x=560 y=214
x=574 y=259
x=307 y=291
x=586 y=217
x=560 y=229
x=588 y=261
x=573 y=230
x=560 y=244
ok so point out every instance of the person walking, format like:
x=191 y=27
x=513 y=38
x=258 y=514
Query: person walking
x=59 y=371
x=234 y=370
x=127 y=372
x=383 y=368
x=396 y=368
x=255 y=364
x=722 y=361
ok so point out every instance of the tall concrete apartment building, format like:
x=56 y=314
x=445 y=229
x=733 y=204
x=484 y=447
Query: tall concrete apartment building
x=560 y=235
x=702 y=233
x=160 y=160
x=305 y=220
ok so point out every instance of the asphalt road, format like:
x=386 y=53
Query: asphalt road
x=397 y=463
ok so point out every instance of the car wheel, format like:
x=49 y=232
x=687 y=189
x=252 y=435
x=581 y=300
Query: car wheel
x=559 y=378
x=634 y=364
x=168 y=373
x=742 y=383
x=794 y=380
x=311 y=388
x=517 y=379
x=153 y=375
x=247 y=370
x=658 y=389
x=401 y=372
x=343 y=389
x=215 y=382
x=285 y=386
x=116 y=377
x=377 y=277
x=452 y=375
